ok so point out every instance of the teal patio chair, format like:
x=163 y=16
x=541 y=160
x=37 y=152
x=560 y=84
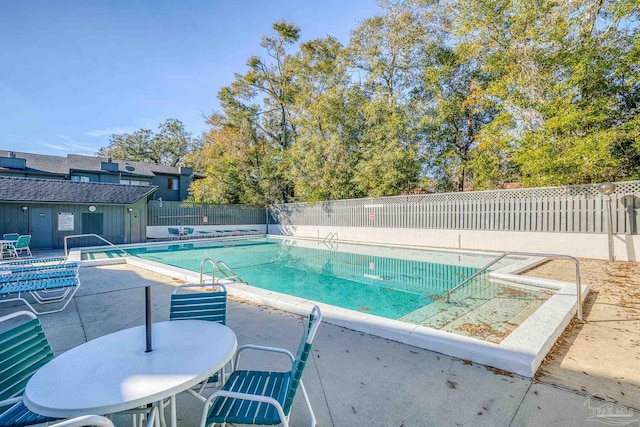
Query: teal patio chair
x=209 y=306
x=22 y=245
x=263 y=397
x=23 y=350
x=10 y=236
x=174 y=233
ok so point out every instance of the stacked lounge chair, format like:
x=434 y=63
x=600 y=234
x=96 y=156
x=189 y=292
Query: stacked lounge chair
x=46 y=281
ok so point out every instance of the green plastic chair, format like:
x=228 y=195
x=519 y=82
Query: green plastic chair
x=23 y=350
x=174 y=233
x=22 y=244
x=10 y=236
x=263 y=397
x=209 y=306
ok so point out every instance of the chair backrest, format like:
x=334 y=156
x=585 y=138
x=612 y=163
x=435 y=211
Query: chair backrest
x=211 y=306
x=174 y=231
x=35 y=262
x=30 y=268
x=23 y=350
x=10 y=236
x=22 y=242
x=304 y=350
x=188 y=230
x=44 y=270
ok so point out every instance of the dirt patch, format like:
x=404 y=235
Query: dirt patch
x=512 y=292
x=486 y=331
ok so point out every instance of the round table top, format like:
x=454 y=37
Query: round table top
x=113 y=373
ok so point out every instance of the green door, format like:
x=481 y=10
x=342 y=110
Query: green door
x=41 y=228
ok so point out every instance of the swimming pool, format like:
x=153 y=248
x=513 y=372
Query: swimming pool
x=404 y=284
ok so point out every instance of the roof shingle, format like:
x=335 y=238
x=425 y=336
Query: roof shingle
x=63 y=191
x=44 y=163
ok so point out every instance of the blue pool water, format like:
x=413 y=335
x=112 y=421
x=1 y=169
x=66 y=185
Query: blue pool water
x=357 y=277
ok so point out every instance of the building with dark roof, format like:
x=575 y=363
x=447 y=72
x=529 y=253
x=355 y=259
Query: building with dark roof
x=50 y=209
x=172 y=182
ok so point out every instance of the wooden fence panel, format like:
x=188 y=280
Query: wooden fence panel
x=572 y=209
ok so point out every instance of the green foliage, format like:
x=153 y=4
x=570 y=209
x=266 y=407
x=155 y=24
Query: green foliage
x=168 y=146
x=327 y=120
x=449 y=94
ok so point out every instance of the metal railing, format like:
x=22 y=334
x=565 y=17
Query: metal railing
x=77 y=236
x=331 y=241
x=557 y=256
x=330 y=238
x=222 y=267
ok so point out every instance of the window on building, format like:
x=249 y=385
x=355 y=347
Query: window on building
x=172 y=183
x=79 y=178
x=133 y=182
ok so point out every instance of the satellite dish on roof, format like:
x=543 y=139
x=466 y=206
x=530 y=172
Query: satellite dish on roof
x=130 y=168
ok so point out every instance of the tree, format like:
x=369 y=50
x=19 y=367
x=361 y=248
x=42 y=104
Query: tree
x=166 y=147
x=386 y=51
x=231 y=165
x=456 y=109
x=327 y=121
x=563 y=72
x=590 y=128
x=264 y=94
x=450 y=92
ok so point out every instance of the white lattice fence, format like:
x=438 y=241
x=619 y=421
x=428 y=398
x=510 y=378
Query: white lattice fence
x=569 y=209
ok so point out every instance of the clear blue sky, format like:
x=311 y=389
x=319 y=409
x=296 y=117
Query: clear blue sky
x=74 y=72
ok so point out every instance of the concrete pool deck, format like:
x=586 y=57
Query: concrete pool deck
x=354 y=378
x=601 y=356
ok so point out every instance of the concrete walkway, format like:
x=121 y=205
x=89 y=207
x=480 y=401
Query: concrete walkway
x=600 y=357
x=353 y=379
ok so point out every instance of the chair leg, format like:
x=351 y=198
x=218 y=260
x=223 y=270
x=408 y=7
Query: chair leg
x=161 y=418
x=306 y=399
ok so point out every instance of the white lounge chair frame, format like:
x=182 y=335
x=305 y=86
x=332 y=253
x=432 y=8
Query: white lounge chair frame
x=40 y=294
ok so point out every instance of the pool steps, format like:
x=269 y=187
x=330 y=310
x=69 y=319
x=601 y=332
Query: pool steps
x=479 y=304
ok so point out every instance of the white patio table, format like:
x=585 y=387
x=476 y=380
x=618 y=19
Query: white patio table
x=113 y=373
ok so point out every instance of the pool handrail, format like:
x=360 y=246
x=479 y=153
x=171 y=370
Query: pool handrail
x=76 y=236
x=542 y=255
x=330 y=238
x=216 y=265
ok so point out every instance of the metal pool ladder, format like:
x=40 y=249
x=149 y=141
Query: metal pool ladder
x=330 y=238
x=558 y=256
x=227 y=272
x=331 y=241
